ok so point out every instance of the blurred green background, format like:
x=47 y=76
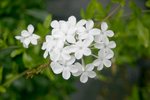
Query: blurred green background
x=22 y=77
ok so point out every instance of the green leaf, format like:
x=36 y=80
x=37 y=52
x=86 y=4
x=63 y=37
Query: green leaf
x=2 y=89
x=121 y=2
x=36 y=13
x=47 y=21
x=148 y=3
x=28 y=61
x=1 y=73
x=16 y=52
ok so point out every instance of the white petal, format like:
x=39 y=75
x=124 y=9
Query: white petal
x=25 y=33
x=73 y=69
x=66 y=74
x=87 y=42
x=99 y=45
x=109 y=33
x=71 y=61
x=91 y=74
x=70 y=49
x=72 y=20
x=34 y=41
x=80 y=29
x=78 y=54
x=100 y=66
x=71 y=39
x=84 y=78
x=94 y=31
x=107 y=63
x=89 y=67
x=30 y=28
x=55 y=56
x=109 y=54
x=45 y=54
x=27 y=41
x=87 y=52
x=96 y=62
x=64 y=27
x=55 y=24
x=81 y=23
x=35 y=36
x=104 y=26
x=89 y=24
x=18 y=37
x=112 y=44
x=57 y=68
x=80 y=69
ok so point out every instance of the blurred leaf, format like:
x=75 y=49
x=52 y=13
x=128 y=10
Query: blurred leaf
x=2 y=89
x=121 y=2
x=16 y=52
x=28 y=61
x=148 y=3
x=47 y=21
x=36 y=13
x=1 y=73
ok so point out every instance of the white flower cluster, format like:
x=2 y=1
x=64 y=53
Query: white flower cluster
x=69 y=42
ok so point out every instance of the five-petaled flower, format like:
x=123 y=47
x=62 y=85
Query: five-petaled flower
x=28 y=37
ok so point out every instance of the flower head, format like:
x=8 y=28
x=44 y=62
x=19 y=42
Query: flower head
x=28 y=37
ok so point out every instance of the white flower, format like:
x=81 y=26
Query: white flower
x=65 y=67
x=106 y=46
x=85 y=72
x=28 y=37
x=103 y=59
x=104 y=33
x=81 y=48
x=52 y=47
x=88 y=30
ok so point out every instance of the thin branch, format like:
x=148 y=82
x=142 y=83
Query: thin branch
x=29 y=73
x=112 y=12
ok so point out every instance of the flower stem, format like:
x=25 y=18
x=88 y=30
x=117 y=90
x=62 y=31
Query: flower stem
x=94 y=56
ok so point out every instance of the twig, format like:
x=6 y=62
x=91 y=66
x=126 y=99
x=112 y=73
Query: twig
x=112 y=12
x=29 y=72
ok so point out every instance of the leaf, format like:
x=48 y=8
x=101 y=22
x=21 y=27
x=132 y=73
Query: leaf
x=147 y=3
x=36 y=13
x=1 y=73
x=16 y=52
x=121 y=2
x=28 y=61
x=47 y=21
x=2 y=89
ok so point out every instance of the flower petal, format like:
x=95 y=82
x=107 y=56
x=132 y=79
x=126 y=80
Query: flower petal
x=71 y=39
x=30 y=28
x=45 y=54
x=107 y=63
x=99 y=45
x=34 y=41
x=25 y=33
x=87 y=52
x=72 y=20
x=109 y=33
x=104 y=26
x=89 y=24
x=57 y=68
x=100 y=66
x=66 y=73
x=112 y=44
x=96 y=62
x=91 y=74
x=55 y=24
x=81 y=23
x=89 y=67
x=73 y=69
x=78 y=54
x=84 y=78
x=94 y=31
